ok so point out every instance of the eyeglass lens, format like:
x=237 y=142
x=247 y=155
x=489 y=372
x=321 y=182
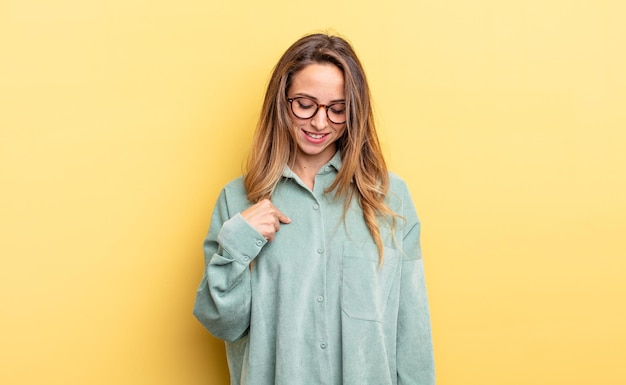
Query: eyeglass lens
x=305 y=108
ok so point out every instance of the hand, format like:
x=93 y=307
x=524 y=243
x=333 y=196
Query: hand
x=265 y=218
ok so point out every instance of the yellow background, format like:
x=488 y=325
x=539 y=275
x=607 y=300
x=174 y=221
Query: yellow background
x=120 y=121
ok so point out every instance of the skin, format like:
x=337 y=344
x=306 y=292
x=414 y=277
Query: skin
x=265 y=218
x=315 y=137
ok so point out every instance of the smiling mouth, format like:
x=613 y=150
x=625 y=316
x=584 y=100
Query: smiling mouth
x=313 y=135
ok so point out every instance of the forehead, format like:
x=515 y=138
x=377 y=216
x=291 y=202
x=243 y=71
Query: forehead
x=319 y=80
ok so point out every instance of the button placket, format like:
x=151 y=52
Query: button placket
x=319 y=248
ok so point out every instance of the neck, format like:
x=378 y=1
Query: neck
x=307 y=167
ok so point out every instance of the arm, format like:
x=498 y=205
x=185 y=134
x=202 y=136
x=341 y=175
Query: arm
x=224 y=294
x=415 y=362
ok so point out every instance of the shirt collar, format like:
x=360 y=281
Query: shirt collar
x=334 y=162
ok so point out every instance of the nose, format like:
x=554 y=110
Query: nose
x=320 y=119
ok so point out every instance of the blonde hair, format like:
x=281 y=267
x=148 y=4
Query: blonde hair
x=273 y=147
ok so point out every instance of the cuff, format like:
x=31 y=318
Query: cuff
x=240 y=240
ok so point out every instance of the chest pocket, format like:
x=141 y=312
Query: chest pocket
x=365 y=284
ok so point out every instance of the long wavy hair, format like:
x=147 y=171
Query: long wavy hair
x=363 y=171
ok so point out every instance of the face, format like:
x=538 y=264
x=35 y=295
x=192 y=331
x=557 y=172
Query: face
x=316 y=137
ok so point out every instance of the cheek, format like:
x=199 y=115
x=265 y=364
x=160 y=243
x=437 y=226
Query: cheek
x=294 y=122
x=294 y=128
x=341 y=130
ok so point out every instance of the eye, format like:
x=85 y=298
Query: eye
x=338 y=108
x=305 y=104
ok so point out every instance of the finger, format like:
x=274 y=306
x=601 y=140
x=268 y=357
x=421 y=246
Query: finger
x=283 y=218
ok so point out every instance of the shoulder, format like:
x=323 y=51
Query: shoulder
x=235 y=186
x=397 y=185
x=234 y=195
x=399 y=196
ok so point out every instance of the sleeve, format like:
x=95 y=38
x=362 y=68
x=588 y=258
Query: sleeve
x=415 y=361
x=224 y=295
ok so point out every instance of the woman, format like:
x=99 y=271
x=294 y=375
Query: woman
x=313 y=262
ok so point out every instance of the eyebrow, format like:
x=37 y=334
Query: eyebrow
x=314 y=98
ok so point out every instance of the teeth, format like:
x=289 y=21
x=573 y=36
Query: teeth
x=315 y=136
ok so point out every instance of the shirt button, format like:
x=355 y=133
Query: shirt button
x=316 y=206
x=323 y=345
x=320 y=250
x=259 y=242
x=320 y=298
x=246 y=258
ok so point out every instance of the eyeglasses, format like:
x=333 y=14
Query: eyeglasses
x=305 y=108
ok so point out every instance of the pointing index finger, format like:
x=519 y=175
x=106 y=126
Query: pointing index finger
x=283 y=218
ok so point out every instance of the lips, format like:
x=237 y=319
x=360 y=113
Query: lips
x=314 y=137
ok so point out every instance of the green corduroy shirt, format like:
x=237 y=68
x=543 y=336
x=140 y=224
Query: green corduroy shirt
x=317 y=307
